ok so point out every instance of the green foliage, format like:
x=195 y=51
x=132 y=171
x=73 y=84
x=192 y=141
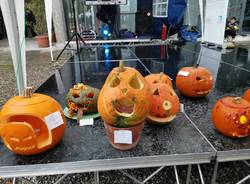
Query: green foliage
x=124 y=122
x=38 y=9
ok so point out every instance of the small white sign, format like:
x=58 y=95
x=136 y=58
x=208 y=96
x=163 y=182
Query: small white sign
x=183 y=73
x=182 y=107
x=84 y=122
x=54 y=120
x=123 y=136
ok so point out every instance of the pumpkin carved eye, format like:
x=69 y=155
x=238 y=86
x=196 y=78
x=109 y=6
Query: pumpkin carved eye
x=115 y=82
x=198 y=78
x=136 y=83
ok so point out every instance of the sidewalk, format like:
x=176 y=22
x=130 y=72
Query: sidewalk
x=39 y=67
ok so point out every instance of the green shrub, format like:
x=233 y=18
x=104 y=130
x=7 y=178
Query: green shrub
x=38 y=9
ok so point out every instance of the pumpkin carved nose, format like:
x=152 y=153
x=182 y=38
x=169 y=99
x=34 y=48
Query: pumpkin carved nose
x=124 y=91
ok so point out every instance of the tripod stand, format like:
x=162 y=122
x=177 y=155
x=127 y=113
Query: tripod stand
x=75 y=35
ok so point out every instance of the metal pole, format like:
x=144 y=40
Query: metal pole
x=200 y=173
x=243 y=180
x=189 y=174
x=154 y=173
x=60 y=179
x=97 y=179
x=216 y=166
x=176 y=175
x=131 y=177
x=14 y=181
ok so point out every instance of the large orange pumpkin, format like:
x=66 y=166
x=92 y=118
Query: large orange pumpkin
x=165 y=104
x=31 y=124
x=231 y=116
x=194 y=82
x=159 y=78
x=246 y=95
x=124 y=99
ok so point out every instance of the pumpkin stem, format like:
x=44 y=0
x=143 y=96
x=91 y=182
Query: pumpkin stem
x=28 y=92
x=121 y=66
x=237 y=100
x=161 y=74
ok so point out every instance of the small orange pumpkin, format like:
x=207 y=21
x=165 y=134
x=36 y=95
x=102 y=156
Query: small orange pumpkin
x=159 y=78
x=194 y=82
x=165 y=104
x=246 y=95
x=231 y=117
x=31 y=124
x=124 y=99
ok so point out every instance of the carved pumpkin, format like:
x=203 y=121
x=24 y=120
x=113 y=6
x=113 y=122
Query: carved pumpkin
x=159 y=78
x=194 y=82
x=31 y=124
x=246 y=95
x=231 y=116
x=82 y=99
x=124 y=99
x=165 y=104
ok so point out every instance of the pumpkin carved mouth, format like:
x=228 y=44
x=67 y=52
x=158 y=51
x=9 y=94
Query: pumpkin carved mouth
x=125 y=107
x=202 y=92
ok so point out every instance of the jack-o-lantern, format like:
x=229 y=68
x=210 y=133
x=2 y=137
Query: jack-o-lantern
x=159 y=78
x=246 y=95
x=32 y=123
x=124 y=99
x=231 y=117
x=82 y=99
x=165 y=104
x=194 y=82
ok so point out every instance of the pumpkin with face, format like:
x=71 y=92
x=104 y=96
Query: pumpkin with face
x=158 y=78
x=82 y=99
x=165 y=104
x=246 y=95
x=231 y=117
x=124 y=99
x=194 y=82
x=31 y=125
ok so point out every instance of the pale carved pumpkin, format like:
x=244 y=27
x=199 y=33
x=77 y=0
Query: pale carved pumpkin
x=165 y=104
x=246 y=95
x=231 y=117
x=158 y=78
x=124 y=99
x=194 y=81
x=32 y=123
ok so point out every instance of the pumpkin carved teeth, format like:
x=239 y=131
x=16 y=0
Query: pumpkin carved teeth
x=202 y=92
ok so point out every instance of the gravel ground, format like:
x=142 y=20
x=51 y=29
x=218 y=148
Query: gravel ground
x=39 y=68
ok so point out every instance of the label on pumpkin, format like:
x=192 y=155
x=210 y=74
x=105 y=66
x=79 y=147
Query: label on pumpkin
x=84 y=122
x=54 y=120
x=183 y=73
x=123 y=136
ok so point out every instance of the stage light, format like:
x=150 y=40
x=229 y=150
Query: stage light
x=105 y=32
x=106 y=51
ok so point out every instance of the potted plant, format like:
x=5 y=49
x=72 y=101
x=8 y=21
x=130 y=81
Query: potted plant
x=38 y=10
x=123 y=104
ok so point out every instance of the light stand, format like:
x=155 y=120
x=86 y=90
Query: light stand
x=75 y=35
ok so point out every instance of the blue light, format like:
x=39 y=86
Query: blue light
x=106 y=51
x=105 y=32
